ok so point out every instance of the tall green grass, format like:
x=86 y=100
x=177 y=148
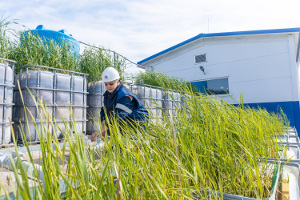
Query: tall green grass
x=31 y=49
x=164 y=81
x=35 y=50
x=6 y=32
x=93 y=61
x=211 y=146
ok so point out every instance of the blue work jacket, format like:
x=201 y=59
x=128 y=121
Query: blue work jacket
x=122 y=104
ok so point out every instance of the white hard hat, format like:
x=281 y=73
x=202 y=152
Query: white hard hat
x=110 y=74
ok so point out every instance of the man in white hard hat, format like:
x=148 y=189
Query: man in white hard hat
x=119 y=102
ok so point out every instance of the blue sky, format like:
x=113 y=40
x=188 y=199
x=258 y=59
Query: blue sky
x=140 y=28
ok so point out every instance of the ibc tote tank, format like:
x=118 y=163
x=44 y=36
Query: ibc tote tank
x=172 y=100
x=151 y=98
x=61 y=90
x=95 y=99
x=6 y=99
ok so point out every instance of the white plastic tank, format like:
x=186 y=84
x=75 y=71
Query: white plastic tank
x=63 y=94
x=143 y=93
x=290 y=185
x=33 y=80
x=95 y=98
x=185 y=98
x=62 y=100
x=6 y=100
x=172 y=100
x=79 y=102
x=156 y=103
x=151 y=98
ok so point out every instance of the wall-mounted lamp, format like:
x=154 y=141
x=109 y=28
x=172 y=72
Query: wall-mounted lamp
x=202 y=69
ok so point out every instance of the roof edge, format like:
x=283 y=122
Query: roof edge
x=205 y=35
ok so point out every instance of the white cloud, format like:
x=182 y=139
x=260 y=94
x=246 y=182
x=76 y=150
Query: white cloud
x=140 y=28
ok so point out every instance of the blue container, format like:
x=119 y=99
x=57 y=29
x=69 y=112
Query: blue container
x=57 y=36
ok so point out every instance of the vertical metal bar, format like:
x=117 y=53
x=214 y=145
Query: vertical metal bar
x=114 y=59
x=54 y=100
x=95 y=95
x=5 y=87
x=89 y=100
x=144 y=95
x=26 y=86
x=19 y=91
x=93 y=118
x=91 y=104
x=71 y=113
x=13 y=93
x=19 y=102
x=84 y=103
x=2 y=121
x=3 y=105
x=36 y=107
x=25 y=100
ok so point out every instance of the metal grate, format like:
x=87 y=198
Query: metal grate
x=200 y=58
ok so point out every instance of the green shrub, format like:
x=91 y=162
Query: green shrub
x=5 y=37
x=164 y=81
x=35 y=50
x=93 y=61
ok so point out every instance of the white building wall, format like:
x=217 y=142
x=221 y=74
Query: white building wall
x=261 y=67
x=293 y=66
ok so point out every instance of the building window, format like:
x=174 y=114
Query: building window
x=200 y=58
x=215 y=86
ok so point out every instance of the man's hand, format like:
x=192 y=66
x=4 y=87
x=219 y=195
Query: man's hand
x=94 y=136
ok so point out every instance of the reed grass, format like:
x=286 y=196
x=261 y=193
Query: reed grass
x=5 y=37
x=93 y=61
x=35 y=50
x=164 y=81
x=211 y=146
x=31 y=49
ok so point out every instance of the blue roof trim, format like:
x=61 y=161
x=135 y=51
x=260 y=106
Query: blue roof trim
x=205 y=35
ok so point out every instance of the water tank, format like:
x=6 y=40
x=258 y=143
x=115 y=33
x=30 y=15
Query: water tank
x=95 y=99
x=64 y=93
x=172 y=100
x=6 y=100
x=57 y=36
x=151 y=98
x=185 y=98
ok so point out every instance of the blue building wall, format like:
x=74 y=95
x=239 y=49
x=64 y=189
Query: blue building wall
x=291 y=109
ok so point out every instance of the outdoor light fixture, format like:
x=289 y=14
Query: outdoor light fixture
x=202 y=69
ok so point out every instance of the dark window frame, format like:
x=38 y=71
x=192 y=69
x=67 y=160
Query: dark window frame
x=209 y=86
